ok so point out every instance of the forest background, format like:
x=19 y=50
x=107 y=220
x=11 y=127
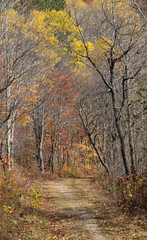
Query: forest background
x=73 y=91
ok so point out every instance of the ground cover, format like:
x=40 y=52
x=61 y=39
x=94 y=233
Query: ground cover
x=68 y=209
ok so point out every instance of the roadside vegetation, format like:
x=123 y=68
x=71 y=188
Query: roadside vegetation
x=32 y=208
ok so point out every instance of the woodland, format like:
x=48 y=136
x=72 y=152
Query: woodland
x=73 y=100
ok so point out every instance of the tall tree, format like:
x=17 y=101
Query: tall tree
x=118 y=41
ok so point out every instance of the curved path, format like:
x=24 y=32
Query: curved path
x=73 y=201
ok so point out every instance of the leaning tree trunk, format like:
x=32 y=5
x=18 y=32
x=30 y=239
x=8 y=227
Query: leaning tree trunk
x=93 y=143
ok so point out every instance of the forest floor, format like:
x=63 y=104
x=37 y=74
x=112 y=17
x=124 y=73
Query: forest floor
x=77 y=209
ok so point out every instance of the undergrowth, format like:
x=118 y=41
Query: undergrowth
x=16 y=194
x=129 y=190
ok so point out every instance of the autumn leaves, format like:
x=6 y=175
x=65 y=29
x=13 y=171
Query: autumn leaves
x=84 y=50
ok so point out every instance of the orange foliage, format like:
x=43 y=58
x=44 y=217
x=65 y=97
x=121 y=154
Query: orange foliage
x=87 y=1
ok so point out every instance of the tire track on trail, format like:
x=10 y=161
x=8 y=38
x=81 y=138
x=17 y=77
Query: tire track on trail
x=87 y=219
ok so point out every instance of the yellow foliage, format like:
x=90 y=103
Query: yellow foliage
x=39 y=29
x=105 y=44
x=120 y=12
x=8 y=209
x=11 y=20
x=89 y=166
x=3 y=110
x=56 y=34
x=23 y=120
x=50 y=29
x=103 y=48
x=80 y=49
x=76 y=4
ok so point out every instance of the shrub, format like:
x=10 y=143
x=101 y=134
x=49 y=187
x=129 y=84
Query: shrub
x=69 y=171
x=133 y=189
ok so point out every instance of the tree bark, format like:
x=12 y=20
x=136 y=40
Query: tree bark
x=120 y=135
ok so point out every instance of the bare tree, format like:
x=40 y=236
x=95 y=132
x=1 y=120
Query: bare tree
x=118 y=58
x=17 y=61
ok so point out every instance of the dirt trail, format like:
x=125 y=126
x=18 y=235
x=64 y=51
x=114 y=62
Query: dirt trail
x=77 y=208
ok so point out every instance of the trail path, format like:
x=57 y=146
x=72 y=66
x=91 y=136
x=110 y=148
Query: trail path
x=76 y=207
x=87 y=219
x=72 y=209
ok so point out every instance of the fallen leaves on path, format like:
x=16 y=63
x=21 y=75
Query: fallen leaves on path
x=55 y=219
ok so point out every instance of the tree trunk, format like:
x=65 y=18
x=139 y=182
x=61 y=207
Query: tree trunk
x=120 y=135
x=85 y=159
x=92 y=141
x=38 y=118
x=9 y=125
x=41 y=155
x=4 y=163
x=53 y=156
